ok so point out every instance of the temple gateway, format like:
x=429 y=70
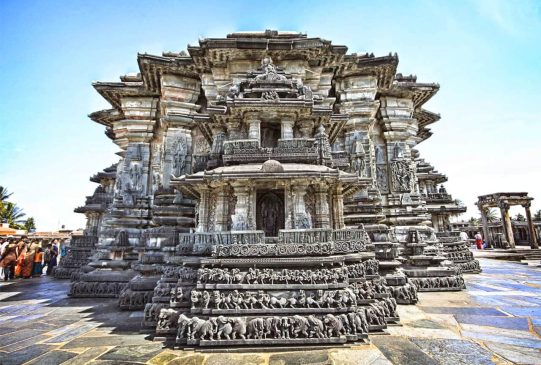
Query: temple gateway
x=268 y=192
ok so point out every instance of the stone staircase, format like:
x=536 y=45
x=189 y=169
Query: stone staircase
x=532 y=258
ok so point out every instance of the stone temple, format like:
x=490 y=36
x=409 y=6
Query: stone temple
x=268 y=192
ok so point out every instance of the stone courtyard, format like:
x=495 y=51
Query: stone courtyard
x=497 y=320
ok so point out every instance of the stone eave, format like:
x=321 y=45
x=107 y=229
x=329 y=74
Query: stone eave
x=217 y=51
x=383 y=68
x=114 y=91
x=420 y=92
x=434 y=176
x=425 y=117
x=106 y=117
x=253 y=172
x=152 y=67
x=452 y=209
x=424 y=134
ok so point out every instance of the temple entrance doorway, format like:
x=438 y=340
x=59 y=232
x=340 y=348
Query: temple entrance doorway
x=270 y=212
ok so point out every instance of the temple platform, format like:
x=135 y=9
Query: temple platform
x=496 y=320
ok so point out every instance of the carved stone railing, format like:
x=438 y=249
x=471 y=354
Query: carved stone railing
x=291 y=242
x=240 y=237
x=202 y=242
x=437 y=198
x=249 y=150
x=314 y=235
x=83 y=241
x=340 y=159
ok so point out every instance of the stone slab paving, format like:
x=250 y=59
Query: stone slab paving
x=496 y=321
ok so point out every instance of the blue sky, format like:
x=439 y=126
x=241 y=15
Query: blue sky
x=486 y=55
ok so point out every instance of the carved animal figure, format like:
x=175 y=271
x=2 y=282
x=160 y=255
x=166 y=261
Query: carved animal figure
x=256 y=328
x=334 y=326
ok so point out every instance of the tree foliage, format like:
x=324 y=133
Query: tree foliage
x=491 y=215
x=12 y=214
x=537 y=216
x=520 y=218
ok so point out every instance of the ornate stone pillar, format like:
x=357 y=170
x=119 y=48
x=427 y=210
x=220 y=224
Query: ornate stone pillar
x=507 y=226
x=254 y=125
x=240 y=221
x=534 y=243
x=301 y=219
x=338 y=208
x=221 y=218
x=203 y=212
x=322 y=218
x=484 y=222
x=287 y=127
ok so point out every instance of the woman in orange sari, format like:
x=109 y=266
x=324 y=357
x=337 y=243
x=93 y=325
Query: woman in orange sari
x=28 y=262
x=20 y=259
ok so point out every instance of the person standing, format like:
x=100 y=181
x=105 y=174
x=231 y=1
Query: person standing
x=20 y=258
x=53 y=260
x=464 y=236
x=8 y=260
x=479 y=241
x=28 y=262
x=38 y=263
x=2 y=251
x=47 y=258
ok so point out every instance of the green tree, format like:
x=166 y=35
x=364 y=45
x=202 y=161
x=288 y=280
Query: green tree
x=520 y=218
x=474 y=221
x=12 y=214
x=4 y=194
x=30 y=224
x=491 y=215
x=537 y=216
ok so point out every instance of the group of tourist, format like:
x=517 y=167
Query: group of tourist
x=24 y=258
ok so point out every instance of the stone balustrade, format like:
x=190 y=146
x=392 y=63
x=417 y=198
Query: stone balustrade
x=437 y=197
x=313 y=235
x=250 y=151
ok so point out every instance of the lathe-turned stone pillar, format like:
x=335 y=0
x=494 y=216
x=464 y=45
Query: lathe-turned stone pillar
x=287 y=127
x=301 y=219
x=338 y=208
x=322 y=218
x=254 y=125
x=203 y=212
x=240 y=220
x=534 y=243
x=507 y=226
x=221 y=210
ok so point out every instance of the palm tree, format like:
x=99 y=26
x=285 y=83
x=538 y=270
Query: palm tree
x=29 y=224
x=4 y=194
x=491 y=215
x=474 y=221
x=11 y=214
x=537 y=216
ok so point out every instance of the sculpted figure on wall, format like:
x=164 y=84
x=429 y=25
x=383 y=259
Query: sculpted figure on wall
x=401 y=176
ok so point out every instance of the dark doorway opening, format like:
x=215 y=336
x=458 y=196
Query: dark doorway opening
x=270 y=211
x=270 y=134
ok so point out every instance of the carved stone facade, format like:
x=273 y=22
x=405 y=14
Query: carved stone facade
x=267 y=193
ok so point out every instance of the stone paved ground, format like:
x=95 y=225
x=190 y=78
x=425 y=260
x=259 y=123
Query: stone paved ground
x=496 y=321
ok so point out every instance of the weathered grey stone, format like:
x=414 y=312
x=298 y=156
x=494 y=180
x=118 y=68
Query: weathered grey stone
x=236 y=215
